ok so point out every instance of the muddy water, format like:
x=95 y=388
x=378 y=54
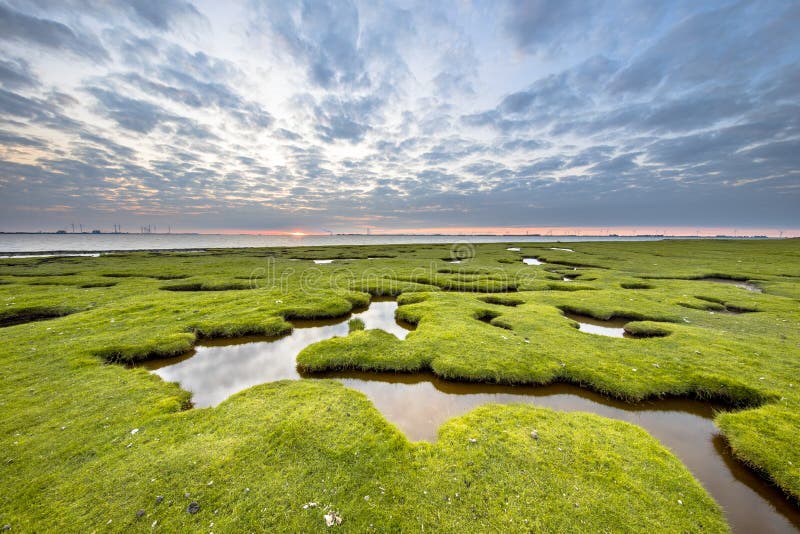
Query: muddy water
x=590 y=325
x=418 y=404
x=531 y=261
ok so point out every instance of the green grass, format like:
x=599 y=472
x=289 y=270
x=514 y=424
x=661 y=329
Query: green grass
x=70 y=461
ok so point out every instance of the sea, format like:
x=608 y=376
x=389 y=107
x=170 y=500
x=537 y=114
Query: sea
x=74 y=243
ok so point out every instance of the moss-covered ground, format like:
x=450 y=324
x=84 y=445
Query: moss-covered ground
x=91 y=445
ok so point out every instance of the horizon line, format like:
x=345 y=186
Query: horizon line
x=499 y=231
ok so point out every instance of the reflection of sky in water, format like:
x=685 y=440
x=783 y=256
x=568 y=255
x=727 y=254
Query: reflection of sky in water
x=590 y=325
x=214 y=373
x=531 y=261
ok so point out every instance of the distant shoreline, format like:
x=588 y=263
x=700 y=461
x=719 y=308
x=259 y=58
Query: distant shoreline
x=84 y=249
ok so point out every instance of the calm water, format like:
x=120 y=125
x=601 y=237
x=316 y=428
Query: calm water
x=106 y=242
x=418 y=404
x=609 y=327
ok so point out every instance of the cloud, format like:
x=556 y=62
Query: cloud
x=129 y=113
x=162 y=14
x=330 y=52
x=41 y=111
x=50 y=34
x=16 y=74
x=537 y=24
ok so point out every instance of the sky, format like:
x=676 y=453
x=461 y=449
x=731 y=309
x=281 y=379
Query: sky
x=317 y=116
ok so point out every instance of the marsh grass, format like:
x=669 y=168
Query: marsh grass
x=71 y=461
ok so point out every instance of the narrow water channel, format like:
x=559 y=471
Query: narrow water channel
x=419 y=403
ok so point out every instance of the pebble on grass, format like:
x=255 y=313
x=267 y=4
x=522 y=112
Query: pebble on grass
x=332 y=519
x=193 y=507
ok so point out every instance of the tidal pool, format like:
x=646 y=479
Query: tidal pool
x=609 y=327
x=531 y=261
x=418 y=404
x=216 y=369
x=564 y=249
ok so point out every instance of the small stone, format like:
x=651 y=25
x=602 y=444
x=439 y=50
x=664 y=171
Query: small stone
x=6 y=527
x=187 y=494
x=473 y=440
x=366 y=497
x=193 y=507
x=210 y=483
x=535 y=434
x=308 y=505
x=159 y=499
x=134 y=431
x=680 y=501
x=139 y=513
x=332 y=519
x=153 y=525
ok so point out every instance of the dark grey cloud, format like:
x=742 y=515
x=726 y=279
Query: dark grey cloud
x=46 y=111
x=16 y=74
x=18 y=26
x=12 y=140
x=537 y=23
x=159 y=15
x=162 y=14
x=130 y=113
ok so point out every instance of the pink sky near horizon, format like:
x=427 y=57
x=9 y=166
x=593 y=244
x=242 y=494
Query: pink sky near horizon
x=548 y=231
